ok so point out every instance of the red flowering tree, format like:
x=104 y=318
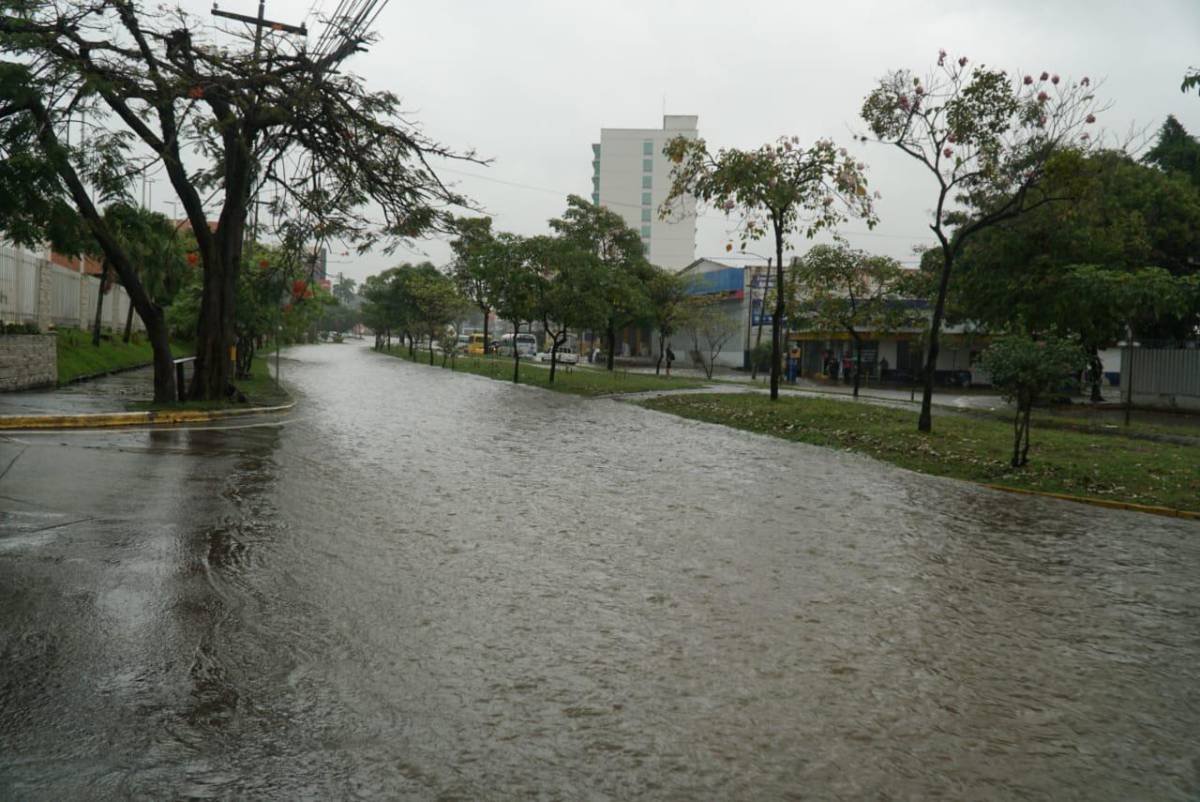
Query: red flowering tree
x=989 y=140
x=780 y=189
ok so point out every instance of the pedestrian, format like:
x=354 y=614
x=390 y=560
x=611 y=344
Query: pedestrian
x=846 y=363
x=670 y=359
x=833 y=368
x=883 y=368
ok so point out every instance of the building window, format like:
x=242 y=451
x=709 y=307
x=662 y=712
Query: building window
x=647 y=165
x=645 y=232
x=646 y=182
x=648 y=147
x=645 y=247
x=645 y=215
x=596 y=198
x=646 y=199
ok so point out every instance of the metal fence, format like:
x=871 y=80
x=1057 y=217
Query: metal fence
x=1162 y=377
x=35 y=290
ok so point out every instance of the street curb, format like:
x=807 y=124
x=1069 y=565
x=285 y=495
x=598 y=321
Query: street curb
x=97 y=420
x=1101 y=502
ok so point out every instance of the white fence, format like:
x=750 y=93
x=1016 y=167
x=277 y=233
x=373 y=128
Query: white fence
x=35 y=290
x=1163 y=378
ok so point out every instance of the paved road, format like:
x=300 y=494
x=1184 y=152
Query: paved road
x=429 y=585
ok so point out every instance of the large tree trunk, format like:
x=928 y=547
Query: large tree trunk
x=128 y=324
x=612 y=344
x=99 y=303
x=1096 y=373
x=776 y=324
x=486 y=342
x=925 y=421
x=857 y=360
x=151 y=313
x=662 y=348
x=516 y=355
x=215 y=332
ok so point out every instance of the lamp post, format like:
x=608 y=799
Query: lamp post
x=748 y=358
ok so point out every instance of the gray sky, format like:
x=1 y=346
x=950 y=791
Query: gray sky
x=529 y=84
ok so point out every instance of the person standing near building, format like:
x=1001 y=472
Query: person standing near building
x=670 y=359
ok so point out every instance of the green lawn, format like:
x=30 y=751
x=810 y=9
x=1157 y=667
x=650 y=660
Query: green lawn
x=1104 y=466
x=77 y=357
x=580 y=381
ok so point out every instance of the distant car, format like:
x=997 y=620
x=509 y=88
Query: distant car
x=566 y=356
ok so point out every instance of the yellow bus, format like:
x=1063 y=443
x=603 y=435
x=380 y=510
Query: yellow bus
x=476 y=346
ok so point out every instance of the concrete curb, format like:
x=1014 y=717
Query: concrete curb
x=97 y=420
x=1101 y=502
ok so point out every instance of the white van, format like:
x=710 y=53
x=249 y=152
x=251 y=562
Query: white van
x=526 y=345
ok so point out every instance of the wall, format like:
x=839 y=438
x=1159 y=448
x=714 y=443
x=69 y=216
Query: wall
x=1167 y=379
x=35 y=290
x=28 y=361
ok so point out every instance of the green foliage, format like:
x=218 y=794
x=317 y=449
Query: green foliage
x=1175 y=150
x=991 y=142
x=781 y=189
x=1024 y=370
x=19 y=328
x=1070 y=268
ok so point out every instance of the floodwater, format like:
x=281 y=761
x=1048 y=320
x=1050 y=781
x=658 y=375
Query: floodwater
x=426 y=585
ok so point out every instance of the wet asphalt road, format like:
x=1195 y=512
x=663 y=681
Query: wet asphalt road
x=434 y=586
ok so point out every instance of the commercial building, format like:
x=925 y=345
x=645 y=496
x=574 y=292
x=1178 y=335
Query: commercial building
x=631 y=176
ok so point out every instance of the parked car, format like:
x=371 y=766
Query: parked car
x=566 y=356
x=525 y=344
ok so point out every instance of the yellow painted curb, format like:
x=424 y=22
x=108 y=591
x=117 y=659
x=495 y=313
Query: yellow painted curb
x=1102 y=502
x=96 y=420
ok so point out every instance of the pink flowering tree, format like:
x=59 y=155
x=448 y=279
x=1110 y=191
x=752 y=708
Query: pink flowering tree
x=779 y=190
x=989 y=140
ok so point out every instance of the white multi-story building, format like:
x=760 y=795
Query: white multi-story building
x=631 y=176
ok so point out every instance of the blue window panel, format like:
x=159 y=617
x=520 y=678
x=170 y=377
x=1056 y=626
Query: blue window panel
x=646 y=183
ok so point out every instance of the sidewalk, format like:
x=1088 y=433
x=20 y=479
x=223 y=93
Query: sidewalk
x=891 y=394
x=114 y=393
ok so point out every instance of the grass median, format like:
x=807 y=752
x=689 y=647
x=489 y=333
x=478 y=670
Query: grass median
x=577 y=381
x=1107 y=466
x=78 y=358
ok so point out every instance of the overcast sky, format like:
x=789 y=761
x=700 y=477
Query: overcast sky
x=530 y=83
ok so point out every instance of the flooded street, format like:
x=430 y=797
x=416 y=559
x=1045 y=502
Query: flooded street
x=428 y=585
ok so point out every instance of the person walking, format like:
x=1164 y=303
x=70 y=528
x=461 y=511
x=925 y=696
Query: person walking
x=670 y=359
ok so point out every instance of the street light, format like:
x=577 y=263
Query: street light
x=748 y=357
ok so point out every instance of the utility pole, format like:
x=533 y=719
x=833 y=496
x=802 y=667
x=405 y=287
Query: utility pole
x=259 y=23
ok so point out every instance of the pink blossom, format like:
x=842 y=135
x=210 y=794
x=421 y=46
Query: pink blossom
x=1085 y=81
x=947 y=153
x=1045 y=75
x=920 y=90
x=1085 y=136
x=941 y=58
x=1042 y=121
x=1028 y=80
x=1042 y=97
x=951 y=138
x=1054 y=80
x=902 y=102
x=728 y=205
x=962 y=62
x=1091 y=118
